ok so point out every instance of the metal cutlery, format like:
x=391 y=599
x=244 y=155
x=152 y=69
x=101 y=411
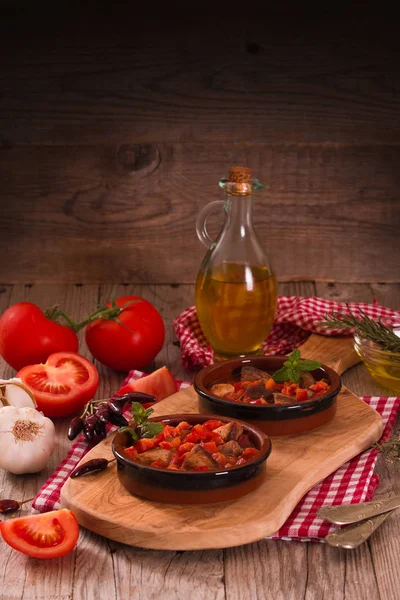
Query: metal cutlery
x=361 y=520
x=353 y=513
x=353 y=535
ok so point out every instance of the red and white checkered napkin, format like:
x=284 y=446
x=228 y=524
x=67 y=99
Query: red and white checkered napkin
x=294 y=322
x=353 y=482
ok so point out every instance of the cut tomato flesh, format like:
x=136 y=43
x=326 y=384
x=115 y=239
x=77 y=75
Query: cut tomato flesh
x=62 y=385
x=42 y=537
x=60 y=378
x=47 y=535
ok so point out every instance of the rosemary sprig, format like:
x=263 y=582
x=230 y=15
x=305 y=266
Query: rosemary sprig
x=390 y=449
x=375 y=331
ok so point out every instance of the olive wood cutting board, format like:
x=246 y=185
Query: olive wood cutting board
x=296 y=464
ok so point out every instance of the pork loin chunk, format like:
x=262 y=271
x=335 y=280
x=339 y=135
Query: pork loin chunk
x=306 y=380
x=198 y=457
x=155 y=454
x=222 y=389
x=253 y=374
x=230 y=431
x=231 y=448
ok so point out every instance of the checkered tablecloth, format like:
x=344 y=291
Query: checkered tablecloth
x=295 y=320
x=353 y=482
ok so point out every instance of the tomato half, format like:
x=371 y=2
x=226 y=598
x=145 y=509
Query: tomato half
x=48 y=535
x=132 y=340
x=62 y=385
x=159 y=384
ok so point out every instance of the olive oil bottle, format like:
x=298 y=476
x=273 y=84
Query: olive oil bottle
x=236 y=290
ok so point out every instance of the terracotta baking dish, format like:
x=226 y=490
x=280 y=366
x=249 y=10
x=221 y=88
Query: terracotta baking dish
x=192 y=487
x=272 y=419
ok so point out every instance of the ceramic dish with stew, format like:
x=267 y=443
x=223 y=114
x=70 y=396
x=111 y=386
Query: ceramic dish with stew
x=277 y=415
x=180 y=465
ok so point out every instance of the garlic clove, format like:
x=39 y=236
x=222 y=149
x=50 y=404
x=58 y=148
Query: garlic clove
x=14 y=393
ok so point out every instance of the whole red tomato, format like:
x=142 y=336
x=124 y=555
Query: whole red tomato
x=28 y=337
x=129 y=341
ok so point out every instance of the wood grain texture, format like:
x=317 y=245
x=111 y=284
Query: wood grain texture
x=75 y=215
x=209 y=79
x=290 y=570
x=295 y=465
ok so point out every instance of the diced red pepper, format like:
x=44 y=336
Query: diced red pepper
x=169 y=432
x=166 y=445
x=159 y=464
x=271 y=384
x=220 y=458
x=131 y=451
x=212 y=424
x=211 y=447
x=186 y=447
x=176 y=442
x=215 y=437
x=145 y=444
x=238 y=386
x=249 y=452
x=201 y=432
x=192 y=438
x=301 y=394
x=320 y=387
x=289 y=389
x=201 y=468
x=183 y=426
x=241 y=461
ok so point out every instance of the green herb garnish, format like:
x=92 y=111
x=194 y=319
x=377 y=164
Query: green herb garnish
x=144 y=428
x=131 y=431
x=375 y=331
x=390 y=449
x=293 y=368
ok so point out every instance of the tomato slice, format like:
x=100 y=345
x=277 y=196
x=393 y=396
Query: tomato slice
x=48 y=535
x=159 y=384
x=63 y=384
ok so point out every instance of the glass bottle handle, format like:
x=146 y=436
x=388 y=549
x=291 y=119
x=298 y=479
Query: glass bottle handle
x=201 y=221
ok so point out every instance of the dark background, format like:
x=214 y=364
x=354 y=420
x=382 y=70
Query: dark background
x=116 y=127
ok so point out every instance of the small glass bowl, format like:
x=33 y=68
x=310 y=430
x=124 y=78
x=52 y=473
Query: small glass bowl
x=383 y=366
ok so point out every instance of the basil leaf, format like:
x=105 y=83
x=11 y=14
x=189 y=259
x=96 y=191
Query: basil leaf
x=295 y=374
x=129 y=430
x=149 y=430
x=281 y=375
x=309 y=365
x=139 y=413
x=295 y=355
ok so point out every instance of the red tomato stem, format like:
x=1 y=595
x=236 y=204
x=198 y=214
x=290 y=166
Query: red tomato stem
x=55 y=312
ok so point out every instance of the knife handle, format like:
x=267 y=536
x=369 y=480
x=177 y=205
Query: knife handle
x=353 y=535
x=353 y=513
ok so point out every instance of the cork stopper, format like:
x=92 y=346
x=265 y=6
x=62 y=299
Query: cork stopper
x=239 y=175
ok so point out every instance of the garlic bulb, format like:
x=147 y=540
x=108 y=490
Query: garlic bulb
x=27 y=439
x=14 y=393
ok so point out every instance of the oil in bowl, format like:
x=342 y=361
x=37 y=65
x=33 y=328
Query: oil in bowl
x=383 y=365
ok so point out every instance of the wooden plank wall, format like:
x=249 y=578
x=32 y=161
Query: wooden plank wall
x=115 y=131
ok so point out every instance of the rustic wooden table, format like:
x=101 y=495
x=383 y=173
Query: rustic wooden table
x=267 y=569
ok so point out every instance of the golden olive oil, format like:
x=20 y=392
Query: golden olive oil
x=236 y=305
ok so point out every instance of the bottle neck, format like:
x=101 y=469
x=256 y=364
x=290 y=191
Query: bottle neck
x=239 y=210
